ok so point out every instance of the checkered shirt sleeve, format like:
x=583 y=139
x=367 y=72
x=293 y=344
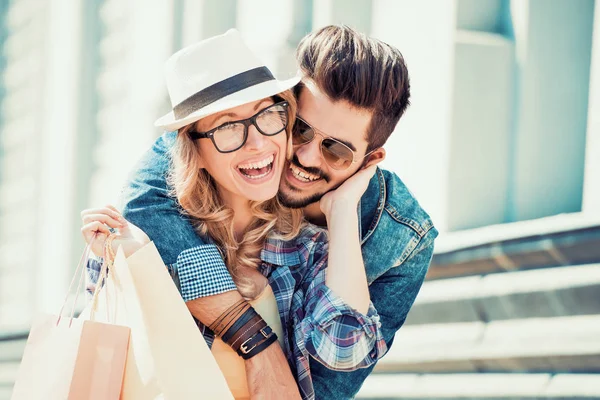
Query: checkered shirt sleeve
x=331 y=331
x=202 y=272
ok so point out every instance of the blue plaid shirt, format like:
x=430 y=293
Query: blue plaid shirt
x=316 y=322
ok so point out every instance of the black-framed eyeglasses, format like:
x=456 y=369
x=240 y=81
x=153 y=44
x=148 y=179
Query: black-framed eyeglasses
x=335 y=153
x=231 y=136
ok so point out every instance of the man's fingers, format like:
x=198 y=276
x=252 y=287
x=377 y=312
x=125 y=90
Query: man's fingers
x=364 y=175
x=370 y=170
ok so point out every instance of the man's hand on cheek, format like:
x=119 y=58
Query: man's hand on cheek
x=345 y=198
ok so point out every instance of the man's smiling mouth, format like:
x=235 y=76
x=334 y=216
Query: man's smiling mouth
x=303 y=176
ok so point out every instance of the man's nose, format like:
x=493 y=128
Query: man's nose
x=309 y=154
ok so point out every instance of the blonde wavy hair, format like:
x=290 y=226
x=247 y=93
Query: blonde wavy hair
x=199 y=198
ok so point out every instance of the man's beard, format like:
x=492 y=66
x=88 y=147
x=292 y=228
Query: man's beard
x=293 y=202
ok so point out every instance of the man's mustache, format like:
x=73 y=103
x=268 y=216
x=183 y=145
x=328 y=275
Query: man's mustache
x=311 y=170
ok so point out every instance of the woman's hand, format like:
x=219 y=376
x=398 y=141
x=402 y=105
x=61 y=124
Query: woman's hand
x=346 y=196
x=95 y=230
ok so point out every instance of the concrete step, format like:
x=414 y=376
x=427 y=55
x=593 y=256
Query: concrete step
x=549 y=292
x=481 y=386
x=559 y=344
x=5 y=393
x=11 y=351
x=8 y=374
x=561 y=240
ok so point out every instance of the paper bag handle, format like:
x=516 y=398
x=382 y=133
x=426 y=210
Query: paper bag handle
x=107 y=264
x=84 y=258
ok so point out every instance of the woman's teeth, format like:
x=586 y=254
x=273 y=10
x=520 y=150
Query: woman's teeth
x=303 y=176
x=258 y=169
x=258 y=165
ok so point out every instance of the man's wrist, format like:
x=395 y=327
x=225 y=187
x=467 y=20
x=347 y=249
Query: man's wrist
x=342 y=208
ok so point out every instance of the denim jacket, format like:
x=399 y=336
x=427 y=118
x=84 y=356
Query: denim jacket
x=397 y=239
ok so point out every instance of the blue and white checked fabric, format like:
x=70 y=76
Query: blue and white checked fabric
x=202 y=273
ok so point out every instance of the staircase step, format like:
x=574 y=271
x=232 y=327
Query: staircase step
x=12 y=350
x=481 y=386
x=559 y=344
x=8 y=373
x=549 y=292
x=560 y=240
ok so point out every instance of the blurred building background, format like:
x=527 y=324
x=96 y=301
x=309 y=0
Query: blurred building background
x=501 y=145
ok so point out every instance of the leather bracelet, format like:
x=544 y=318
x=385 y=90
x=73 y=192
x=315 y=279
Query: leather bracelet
x=259 y=348
x=227 y=316
x=247 y=331
x=225 y=313
x=255 y=339
x=246 y=316
x=225 y=325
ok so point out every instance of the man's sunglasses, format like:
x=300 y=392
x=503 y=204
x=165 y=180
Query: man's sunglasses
x=335 y=153
x=231 y=136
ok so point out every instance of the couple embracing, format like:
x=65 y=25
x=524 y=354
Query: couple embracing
x=296 y=255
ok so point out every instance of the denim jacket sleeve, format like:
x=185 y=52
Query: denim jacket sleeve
x=332 y=332
x=147 y=203
x=392 y=294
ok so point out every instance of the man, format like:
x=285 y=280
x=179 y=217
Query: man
x=354 y=91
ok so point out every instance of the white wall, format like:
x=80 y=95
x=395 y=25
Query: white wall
x=591 y=193
x=480 y=132
x=553 y=39
x=419 y=149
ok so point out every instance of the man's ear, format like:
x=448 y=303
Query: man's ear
x=375 y=157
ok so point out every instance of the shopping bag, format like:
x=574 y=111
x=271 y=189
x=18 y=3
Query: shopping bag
x=168 y=357
x=72 y=358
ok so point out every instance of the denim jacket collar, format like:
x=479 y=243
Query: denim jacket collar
x=371 y=206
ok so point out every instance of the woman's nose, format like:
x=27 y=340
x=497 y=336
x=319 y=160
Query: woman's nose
x=256 y=140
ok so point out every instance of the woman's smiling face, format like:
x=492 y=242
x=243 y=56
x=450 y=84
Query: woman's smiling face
x=253 y=171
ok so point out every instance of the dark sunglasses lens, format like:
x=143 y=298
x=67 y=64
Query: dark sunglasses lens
x=229 y=137
x=336 y=154
x=272 y=120
x=302 y=133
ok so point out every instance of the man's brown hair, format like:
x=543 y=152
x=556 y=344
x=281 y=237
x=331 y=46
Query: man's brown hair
x=367 y=73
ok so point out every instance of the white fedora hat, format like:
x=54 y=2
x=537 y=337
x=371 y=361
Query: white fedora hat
x=214 y=75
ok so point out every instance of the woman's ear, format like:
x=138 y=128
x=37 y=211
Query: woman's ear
x=375 y=157
x=201 y=164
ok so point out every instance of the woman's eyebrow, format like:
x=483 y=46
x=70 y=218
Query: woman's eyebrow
x=235 y=116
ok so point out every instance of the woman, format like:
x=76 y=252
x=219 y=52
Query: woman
x=231 y=116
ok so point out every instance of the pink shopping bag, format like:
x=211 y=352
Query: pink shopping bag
x=72 y=358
